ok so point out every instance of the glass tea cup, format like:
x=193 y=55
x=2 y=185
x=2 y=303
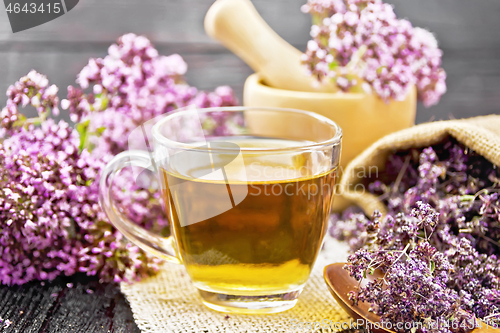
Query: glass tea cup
x=247 y=192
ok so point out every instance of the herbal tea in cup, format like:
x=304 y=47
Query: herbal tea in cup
x=247 y=192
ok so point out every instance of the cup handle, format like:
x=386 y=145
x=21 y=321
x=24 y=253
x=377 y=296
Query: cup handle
x=148 y=241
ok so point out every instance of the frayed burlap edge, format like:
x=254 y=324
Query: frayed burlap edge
x=169 y=303
x=481 y=134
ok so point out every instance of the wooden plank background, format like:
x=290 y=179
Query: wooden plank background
x=468 y=32
x=76 y=304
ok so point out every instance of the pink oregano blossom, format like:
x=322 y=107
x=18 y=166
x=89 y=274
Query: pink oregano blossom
x=50 y=216
x=362 y=46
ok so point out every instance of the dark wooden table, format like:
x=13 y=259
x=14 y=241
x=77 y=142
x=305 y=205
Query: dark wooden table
x=68 y=304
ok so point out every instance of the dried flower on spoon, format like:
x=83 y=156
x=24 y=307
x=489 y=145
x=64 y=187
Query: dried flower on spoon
x=439 y=245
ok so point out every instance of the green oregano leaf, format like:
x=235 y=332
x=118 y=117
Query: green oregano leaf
x=465 y=198
x=333 y=65
x=100 y=130
x=82 y=129
x=21 y=119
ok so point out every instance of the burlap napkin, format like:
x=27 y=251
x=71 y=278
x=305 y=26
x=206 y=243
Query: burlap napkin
x=168 y=302
x=481 y=134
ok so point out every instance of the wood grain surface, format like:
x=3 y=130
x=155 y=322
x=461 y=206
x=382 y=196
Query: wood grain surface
x=467 y=32
x=71 y=304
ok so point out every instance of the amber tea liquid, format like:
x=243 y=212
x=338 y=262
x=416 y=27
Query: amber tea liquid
x=266 y=242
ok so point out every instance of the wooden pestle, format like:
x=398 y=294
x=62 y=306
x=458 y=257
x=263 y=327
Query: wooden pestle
x=239 y=27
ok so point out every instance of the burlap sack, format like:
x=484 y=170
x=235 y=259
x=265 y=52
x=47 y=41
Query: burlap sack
x=481 y=134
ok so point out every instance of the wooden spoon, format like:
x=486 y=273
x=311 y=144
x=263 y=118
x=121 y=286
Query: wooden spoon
x=239 y=27
x=340 y=283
